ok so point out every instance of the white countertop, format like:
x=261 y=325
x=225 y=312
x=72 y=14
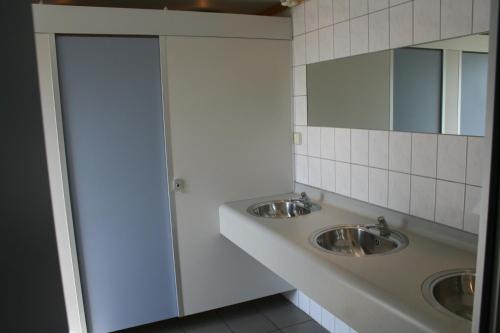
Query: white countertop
x=379 y=294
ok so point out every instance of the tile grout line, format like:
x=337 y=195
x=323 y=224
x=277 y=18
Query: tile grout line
x=350 y=163
x=368 y=165
x=440 y=19
x=389 y=169
x=465 y=186
x=350 y=44
x=299 y=323
x=317 y=15
x=387 y=198
x=280 y=328
x=412 y=23
x=389 y=24
x=436 y=184
x=218 y=315
x=411 y=164
x=472 y=17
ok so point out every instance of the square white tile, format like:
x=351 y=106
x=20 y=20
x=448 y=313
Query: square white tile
x=359 y=35
x=314 y=172
x=301 y=169
x=450 y=203
x=343 y=144
x=424 y=154
x=401 y=25
x=340 y=10
x=314 y=141
x=341 y=327
x=328 y=175
x=327 y=320
x=378 y=149
x=302 y=147
x=300 y=110
x=299 y=81
x=474 y=158
x=378 y=30
x=315 y=311
x=452 y=151
x=312 y=47
x=358 y=8
x=399 y=192
x=359 y=182
x=400 y=151
x=311 y=15
x=341 y=40
x=303 y=302
x=378 y=181
x=359 y=146
x=343 y=178
x=298 y=19
x=328 y=143
x=299 y=50
x=481 y=16
x=473 y=208
x=456 y=18
x=426 y=20
x=376 y=5
x=326 y=43
x=325 y=11
x=423 y=197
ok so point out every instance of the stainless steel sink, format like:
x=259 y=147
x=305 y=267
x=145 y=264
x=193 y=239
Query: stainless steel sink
x=283 y=209
x=451 y=291
x=359 y=240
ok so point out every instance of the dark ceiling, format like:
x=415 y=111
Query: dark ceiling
x=252 y=7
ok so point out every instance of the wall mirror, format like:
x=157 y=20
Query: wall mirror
x=437 y=87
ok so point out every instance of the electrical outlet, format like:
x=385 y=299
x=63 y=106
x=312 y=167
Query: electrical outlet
x=297 y=138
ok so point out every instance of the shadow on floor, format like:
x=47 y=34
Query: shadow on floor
x=265 y=315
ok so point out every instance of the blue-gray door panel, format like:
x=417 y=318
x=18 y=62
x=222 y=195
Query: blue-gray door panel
x=473 y=94
x=417 y=83
x=111 y=99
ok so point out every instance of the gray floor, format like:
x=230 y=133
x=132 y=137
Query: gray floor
x=266 y=315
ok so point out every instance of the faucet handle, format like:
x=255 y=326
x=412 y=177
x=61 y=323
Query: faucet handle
x=383 y=226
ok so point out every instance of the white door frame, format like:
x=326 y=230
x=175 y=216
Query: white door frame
x=486 y=164
x=50 y=20
x=58 y=181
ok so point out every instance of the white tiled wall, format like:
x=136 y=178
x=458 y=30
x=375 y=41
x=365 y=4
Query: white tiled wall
x=359 y=26
x=318 y=313
x=435 y=177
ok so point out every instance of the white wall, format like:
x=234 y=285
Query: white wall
x=436 y=177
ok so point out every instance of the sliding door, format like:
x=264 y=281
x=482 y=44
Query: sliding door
x=111 y=98
x=417 y=82
x=229 y=108
x=473 y=93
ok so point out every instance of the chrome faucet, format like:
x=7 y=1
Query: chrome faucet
x=383 y=227
x=304 y=200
